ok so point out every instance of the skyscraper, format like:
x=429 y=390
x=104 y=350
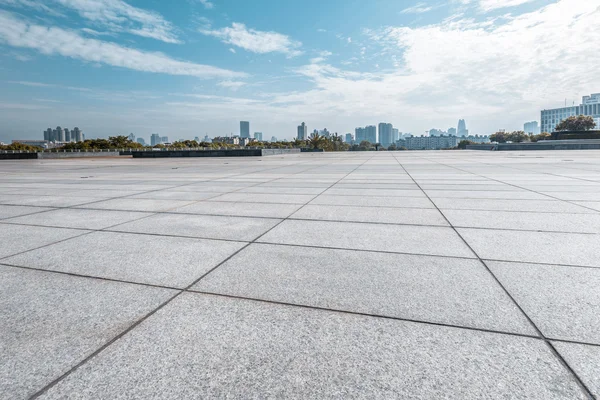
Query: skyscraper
x=131 y=137
x=462 y=128
x=452 y=131
x=164 y=139
x=386 y=137
x=258 y=136
x=244 y=129
x=67 y=135
x=371 y=133
x=349 y=138
x=77 y=135
x=302 y=132
x=154 y=139
x=395 y=134
x=141 y=141
x=59 y=135
x=360 y=134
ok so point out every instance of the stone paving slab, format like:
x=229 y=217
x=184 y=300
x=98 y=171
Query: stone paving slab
x=564 y=302
x=359 y=292
x=150 y=259
x=376 y=237
x=394 y=285
x=585 y=360
x=51 y=322
x=210 y=347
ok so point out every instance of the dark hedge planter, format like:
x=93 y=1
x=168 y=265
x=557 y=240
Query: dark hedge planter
x=570 y=135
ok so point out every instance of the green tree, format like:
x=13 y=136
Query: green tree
x=499 y=137
x=392 y=147
x=576 y=123
x=517 y=137
x=20 y=147
x=463 y=144
x=316 y=141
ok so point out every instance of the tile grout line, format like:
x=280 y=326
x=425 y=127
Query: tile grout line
x=557 y=355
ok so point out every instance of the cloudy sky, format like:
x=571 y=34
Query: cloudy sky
x=184 y=68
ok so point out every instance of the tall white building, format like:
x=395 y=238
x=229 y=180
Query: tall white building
x=531 y=128
x=258 y=136
x=244 y=129
x=462 y=128
x=302 y=132
x=590 y=106
x=386 y=137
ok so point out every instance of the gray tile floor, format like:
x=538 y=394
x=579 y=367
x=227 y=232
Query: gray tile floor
x=449 y=274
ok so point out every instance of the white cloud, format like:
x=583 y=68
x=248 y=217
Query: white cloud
x=119 y=16
x=260 y=42
x=233 y=85
x=31 y=4
x=232 y=50
x=488 y=5
x=53 y=40
x=207 y=4
x=418 y=8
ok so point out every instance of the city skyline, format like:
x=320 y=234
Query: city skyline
x=415 y=64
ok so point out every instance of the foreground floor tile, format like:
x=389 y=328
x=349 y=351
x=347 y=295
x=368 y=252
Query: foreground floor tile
x=15 y=239
x=51 y=322
x=585 y=361
x=79 y=218
x=377 y=237
x=564 y=302
x=394 y=285
x=168 y=261
x=202 y=346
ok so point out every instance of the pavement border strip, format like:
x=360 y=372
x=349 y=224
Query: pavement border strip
x=148 y=315
x=558 y=356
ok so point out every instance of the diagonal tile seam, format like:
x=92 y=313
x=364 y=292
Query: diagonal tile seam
x=142 y=319
x=550 y=346
x=511 y=184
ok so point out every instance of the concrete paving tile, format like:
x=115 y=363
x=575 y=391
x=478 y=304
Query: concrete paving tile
x=377 y=237
x=202 y=226
x=156 y=260
x=510 y=205
x=78 y=218
x=417 y=216
x=473 y=194
x=396 y=285
x=374 y=201
x=138 y=204
x=201 y=346
x=585 y=361
x=536 y=247
x=375 y=192
x=173 y=195
x=550 y=222
x=45 y=201
x=564 y=302
x=18 y=238
x=282 y=190
x=574 y=196
x=50 y=322
x=239 y=209
x=15 y=211
x=265 y=198
x=589 y=204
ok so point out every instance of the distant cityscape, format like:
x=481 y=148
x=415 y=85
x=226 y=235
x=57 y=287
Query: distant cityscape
x=384 y=134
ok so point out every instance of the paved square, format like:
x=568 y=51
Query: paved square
x=425 y=275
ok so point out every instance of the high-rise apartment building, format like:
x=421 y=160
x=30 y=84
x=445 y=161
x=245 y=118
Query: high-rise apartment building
x=141 y=141
x=155 y=139
x=531 y=128
x=462 y=128
x=67 y=135
x=590 y=106
x=258 y=136
x=395 y=134
x=368 y=133
x=302 y=132
x=451 y=131
x=244 y=129
x=164 y=139
x=386 y=137
x=78 y=134
x=349 y=138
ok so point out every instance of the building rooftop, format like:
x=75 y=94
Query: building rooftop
x=425 y=275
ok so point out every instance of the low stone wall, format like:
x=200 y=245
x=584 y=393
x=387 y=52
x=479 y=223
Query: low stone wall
x=213 y=153
x=18 y=156
x=77 y=154
x=589 y=144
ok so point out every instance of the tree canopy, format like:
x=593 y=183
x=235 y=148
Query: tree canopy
x=576 y=123
x=515 y=137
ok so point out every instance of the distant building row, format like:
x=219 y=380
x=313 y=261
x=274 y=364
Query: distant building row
x=63 y=135
x=590 y=106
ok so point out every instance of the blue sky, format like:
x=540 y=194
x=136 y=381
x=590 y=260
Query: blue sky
x=184 y=68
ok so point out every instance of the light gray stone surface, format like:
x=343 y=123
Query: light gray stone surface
x=202 y=226
x=386 y=215
x=168 y=261
x=79 y=218
x=15 y=239
x=564 y=302
x=15 y=211
x=439 y=325
x=463 y=292
x=537 y=247
x=377 y=237
x=585 y=360
x=51 y=322
x=210 y=347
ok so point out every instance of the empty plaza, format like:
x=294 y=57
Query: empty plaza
x=411 y=275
